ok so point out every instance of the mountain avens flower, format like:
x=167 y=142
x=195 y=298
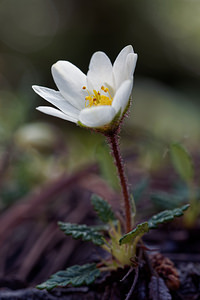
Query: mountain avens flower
x=97 y=100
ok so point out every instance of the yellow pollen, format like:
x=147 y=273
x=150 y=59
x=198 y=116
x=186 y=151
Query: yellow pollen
x=97 y=99
x=104 y=89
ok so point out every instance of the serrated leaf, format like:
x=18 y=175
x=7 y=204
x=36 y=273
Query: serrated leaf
x=75 y=275
x=182 y=162
x=140 y=230
x=83 y=231
x=102 y=208
x=166 y=216
x=158 y=289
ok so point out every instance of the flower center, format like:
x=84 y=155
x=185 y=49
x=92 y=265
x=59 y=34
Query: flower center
x=98 y=98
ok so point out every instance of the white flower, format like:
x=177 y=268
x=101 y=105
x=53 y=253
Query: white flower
x=97 y=100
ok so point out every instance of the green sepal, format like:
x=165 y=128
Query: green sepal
x=84 y=232
x=102 y=208
x=127 y=106
x=75 y=275
x=82 y=125
x=115 y=121
x=139 y=231
x=182 y=162
x=166 y=216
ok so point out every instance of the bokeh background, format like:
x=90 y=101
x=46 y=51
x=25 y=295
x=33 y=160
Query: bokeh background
x=35 y=34
x=36 y=149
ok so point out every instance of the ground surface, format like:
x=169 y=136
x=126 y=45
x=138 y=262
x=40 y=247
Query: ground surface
x=32 y=248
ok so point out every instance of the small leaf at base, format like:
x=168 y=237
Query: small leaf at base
x=102 y=208
x=162 y=217
x=140 y=230
x=83 y=231
x=75 y=275
x=166 y=215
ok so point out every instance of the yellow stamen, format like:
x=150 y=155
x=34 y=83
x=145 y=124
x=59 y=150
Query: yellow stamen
x=97 y=99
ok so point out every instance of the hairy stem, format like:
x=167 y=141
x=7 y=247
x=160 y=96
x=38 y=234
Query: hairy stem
x=114 y=144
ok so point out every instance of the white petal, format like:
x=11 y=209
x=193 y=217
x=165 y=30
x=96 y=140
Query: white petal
x=97 y=116
x=55 y=98
x=122 y=96
x=70 y=80
x=100 y=71
x=119 y=67
x=56 y=113
x=130 y=64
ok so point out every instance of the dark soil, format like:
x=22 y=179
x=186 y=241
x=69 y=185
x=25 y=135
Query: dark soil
x=113 y=288
x=32 y=247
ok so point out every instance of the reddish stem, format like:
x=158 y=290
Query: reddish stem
x=114 y=144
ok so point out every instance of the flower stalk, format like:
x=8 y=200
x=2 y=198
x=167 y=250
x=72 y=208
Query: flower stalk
x=113 y=141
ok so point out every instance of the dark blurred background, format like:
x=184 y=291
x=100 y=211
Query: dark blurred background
x=36 y=149
x=35 y=34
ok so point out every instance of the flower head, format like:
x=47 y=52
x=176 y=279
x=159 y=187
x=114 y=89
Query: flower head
x=97 y=100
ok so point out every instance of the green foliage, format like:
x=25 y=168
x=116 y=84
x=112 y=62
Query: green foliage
x=162 y=217
x=75 y=275
x=102 y=208
x=83 y=231
x=182 y=162
x=139 y=231
x=166 y=216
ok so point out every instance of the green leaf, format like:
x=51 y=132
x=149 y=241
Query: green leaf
x=162 y=217
x=102 y=208
x=83 y=231
x=139 y=231
x=166 y=216
x=75 y=275
x=182 y=162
